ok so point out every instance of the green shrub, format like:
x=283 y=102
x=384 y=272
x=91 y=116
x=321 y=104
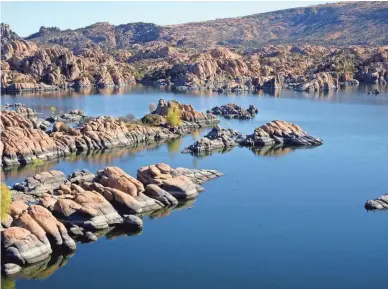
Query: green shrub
x=153 y=119
x=53 y=110
x=174 y=115
x=36 y=163
x=138 y=75
x=6 y=200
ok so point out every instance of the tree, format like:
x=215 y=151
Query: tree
x=53 y=109
x=5 y=200
x=174 y=115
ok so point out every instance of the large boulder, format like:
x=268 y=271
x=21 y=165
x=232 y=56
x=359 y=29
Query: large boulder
x=21 y=247
x=181 y=183
x=87 y=209
x=41 y=183
x=125 y=190
x=54 y=229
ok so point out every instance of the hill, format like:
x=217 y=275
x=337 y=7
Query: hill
x=345 y=23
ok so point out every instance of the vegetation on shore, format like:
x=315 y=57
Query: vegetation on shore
x=174 y=115
x=6 y=200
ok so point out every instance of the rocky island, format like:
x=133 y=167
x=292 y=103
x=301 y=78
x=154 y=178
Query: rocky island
x=24 y=140
x=50 y=209
x=279 y=133
x=380 y=203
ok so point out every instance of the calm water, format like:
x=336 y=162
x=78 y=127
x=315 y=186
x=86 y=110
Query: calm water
x=277 y=219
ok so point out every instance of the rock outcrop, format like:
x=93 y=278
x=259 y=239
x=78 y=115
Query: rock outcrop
x=275 y=133
x=23 y=140
x=189 y=116
x=27 y=66
x=232 y=110
x=217 y=139
x=279 y=132
x=86 y=206
x=319 y=82
x=380 y=203
x=180 y=183
x=20 y=247
x=73 y=116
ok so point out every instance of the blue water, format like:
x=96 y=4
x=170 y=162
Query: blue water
x=292 y=220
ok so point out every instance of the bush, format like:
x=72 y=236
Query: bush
x=174 y=115
x=36 y=163
x=6 y=200
x=138 y=76
x=53 y=110
x=153 y=119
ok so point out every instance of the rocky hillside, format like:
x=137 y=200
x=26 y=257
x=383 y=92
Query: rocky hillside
x=28 y=66
x=305 y=48
x=329 y=24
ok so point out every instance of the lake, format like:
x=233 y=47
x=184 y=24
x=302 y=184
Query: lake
x=285 y=218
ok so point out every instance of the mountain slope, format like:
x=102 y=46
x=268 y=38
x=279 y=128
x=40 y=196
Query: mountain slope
x=342 y=23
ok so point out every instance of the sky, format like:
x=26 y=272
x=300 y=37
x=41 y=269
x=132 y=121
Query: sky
x=26 y=18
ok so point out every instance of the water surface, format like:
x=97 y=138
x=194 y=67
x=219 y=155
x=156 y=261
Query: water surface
x=280 y=218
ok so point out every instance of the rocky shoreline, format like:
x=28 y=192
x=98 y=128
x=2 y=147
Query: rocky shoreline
x=32 y=66
x=49 y=210
x=24 y=140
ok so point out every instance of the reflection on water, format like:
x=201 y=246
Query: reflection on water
x=319 y=200
x=164 y=212
x=39 y=270
x=277 y=150
x=96 y=157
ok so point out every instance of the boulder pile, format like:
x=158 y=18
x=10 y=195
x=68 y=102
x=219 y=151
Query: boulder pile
x=280 y=132
x=50 y=210
x=24 y=140
x=217 y=139
x=232 y=110
x=275 y=133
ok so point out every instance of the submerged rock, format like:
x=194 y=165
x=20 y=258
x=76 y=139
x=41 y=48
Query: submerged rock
x=380 y=203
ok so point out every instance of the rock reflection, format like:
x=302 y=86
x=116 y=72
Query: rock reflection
x=96 y=157
x=277 y=150
x=208 y=153
x=40 y=270
x=165 y=212
x=272 y=150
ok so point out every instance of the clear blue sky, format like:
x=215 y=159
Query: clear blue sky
x=26 y=18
